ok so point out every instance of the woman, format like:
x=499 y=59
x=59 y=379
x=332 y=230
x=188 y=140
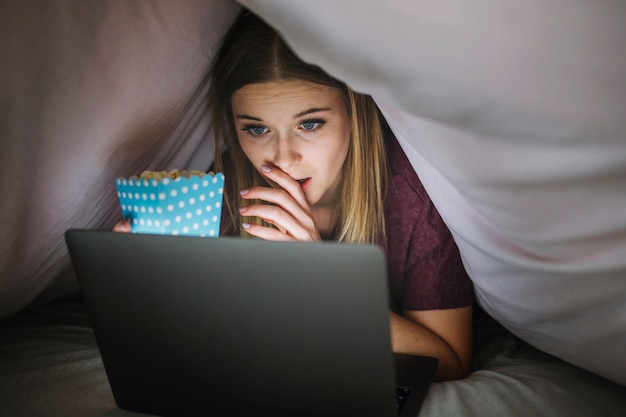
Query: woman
x=309 y=159
x=306 y=158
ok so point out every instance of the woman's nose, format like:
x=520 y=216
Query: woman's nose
x=286 y=153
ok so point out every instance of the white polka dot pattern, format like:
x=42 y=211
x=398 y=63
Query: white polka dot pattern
x=183 y=206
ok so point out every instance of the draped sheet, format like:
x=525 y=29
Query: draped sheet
x=89 y=91
x=513 y=114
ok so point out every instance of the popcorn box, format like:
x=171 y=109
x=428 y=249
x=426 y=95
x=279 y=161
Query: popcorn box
x=178 y=205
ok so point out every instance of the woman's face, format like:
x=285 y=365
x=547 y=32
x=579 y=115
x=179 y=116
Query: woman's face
x=297 y=126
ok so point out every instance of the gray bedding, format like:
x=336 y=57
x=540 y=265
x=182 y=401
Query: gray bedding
x=50 y=367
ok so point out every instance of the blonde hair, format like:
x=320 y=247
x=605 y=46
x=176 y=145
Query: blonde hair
x=252 y=52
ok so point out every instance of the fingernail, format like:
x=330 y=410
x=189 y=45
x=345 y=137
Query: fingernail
x=242 y=209
x=265 y=168
x=246 y=225
x=244 y=192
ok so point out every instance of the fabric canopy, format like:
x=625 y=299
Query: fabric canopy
x=514 y=116
x=511 y=112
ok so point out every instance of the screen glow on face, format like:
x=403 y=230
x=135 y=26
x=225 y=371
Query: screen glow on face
x=298 y=126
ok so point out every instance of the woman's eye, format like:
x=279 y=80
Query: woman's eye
x=312 y=125
x=255 y=130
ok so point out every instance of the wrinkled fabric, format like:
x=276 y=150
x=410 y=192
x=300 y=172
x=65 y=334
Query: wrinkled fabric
x=513 y=115
x=90 y=91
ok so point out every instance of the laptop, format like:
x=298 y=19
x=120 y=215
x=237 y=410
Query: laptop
x=191 y=326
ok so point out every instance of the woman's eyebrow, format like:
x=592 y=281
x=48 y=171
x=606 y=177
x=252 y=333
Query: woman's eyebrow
x=302 y=113
x=248 y=117
x=312 y=110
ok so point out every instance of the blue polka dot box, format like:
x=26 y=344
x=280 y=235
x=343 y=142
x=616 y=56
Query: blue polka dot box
x=173 y=204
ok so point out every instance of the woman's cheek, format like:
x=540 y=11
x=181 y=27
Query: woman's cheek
x=248 y=149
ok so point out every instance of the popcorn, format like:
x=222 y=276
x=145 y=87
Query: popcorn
x=173 y=174
x=173 y=203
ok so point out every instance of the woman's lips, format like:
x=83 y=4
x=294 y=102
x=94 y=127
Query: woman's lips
x=304 y=183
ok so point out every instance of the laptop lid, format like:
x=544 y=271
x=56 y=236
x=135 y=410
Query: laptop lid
x=228 y=326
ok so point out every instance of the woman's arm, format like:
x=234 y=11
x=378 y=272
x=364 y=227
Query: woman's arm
x=443 y=334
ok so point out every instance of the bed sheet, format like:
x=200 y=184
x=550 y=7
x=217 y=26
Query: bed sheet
x=50 y=367
x=512 y=114
x=91 y=91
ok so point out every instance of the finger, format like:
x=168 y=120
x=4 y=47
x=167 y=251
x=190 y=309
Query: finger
x=278 y=197
x=123 y=226
x=301 y=228
x=266 y=233
x=287 y=183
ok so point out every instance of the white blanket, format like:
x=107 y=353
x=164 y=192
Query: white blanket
x=90 y=91
x=514 y=116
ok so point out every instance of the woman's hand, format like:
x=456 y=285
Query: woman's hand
x=122 y=226
x=290 y=212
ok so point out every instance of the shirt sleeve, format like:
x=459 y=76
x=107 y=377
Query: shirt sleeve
x=426 y=271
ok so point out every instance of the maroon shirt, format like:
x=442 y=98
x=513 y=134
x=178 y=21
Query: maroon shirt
x=424 y=264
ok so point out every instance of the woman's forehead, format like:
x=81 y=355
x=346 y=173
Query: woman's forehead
x=286 y=93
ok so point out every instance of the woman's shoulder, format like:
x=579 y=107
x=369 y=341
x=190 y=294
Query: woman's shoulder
x=403 y=181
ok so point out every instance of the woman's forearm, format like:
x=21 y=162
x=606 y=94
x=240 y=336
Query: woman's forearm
x=410 y=337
